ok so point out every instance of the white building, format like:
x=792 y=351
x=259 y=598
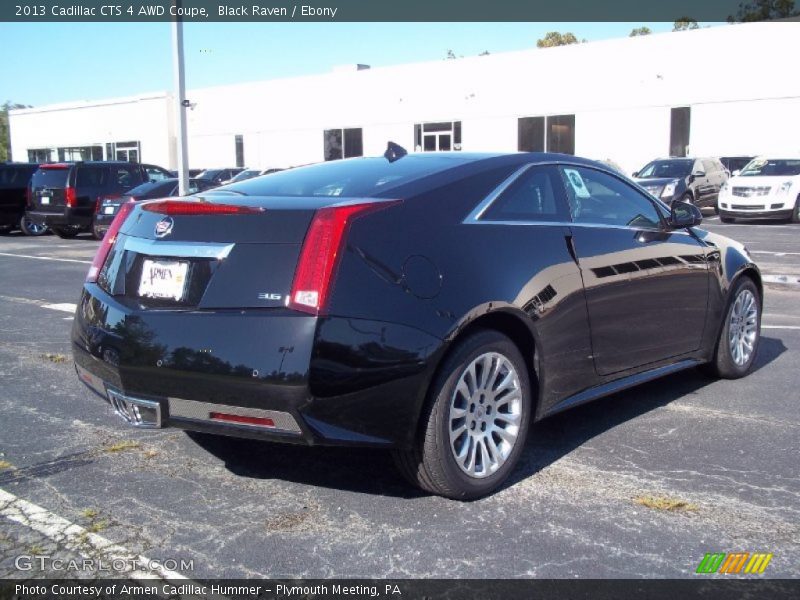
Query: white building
x=727 y=90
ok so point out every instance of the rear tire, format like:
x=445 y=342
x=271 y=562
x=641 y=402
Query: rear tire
x=97 y=233
x=474 y=424
x=737 y=345
x=66 y=233
x=31 y=228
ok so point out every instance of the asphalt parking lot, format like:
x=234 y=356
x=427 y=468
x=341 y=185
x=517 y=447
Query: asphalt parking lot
x=642 y=483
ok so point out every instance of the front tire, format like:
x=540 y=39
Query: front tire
x=474 y=425
x=32 y=228
x=687 y=197
x=737 y=345
x=796 y=213
x=66 y=233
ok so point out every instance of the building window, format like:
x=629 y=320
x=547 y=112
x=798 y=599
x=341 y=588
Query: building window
x=127 y=151
x=555 y=133
x=343 y=143
x=440 y=136
x=39 y=155
x=78 y=153
x=680 y=126
x=239 y=150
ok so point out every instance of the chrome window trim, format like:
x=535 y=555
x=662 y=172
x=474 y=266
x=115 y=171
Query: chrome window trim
x=474 y=218
x=178 y=249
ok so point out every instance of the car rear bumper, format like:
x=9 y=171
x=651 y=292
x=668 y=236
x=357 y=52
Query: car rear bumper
x=783 y=213
x=68 y=218
x=269 y=374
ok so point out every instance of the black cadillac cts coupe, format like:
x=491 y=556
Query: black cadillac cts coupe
x=434 y=304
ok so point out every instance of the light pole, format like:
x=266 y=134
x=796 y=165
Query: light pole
x=180 y=102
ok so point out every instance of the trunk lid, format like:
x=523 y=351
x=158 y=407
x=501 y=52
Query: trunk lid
x=206 y=261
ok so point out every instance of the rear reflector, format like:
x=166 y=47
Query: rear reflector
x=108 y=241
x=321 y=252
x=189 y=208
x=260 y=421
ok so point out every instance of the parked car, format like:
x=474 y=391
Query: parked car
x=64 y=196
x=735 y=163
x=434 y=304
x=217 y=176
x=192 y=173
x=768 y=187
x=250 y=173
x=109 y=205
x=14 y=179
x=693 y=180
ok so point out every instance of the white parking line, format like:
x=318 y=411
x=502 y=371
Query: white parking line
x=69 y=260
x=63 y=307
x=775 y=253
x=81 y=541
x=797 y=327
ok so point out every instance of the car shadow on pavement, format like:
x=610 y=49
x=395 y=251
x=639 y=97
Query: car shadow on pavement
x=372 y=472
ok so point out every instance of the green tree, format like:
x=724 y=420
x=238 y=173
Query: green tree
x=555 y=38
x=685 y=23
x=5 y=135
x=764 y=10
x=640 y=31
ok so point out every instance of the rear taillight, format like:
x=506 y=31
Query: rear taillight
x=321 y=252
x=187 y=208
x=108 y=241
x=71 y=197
x=29 y=197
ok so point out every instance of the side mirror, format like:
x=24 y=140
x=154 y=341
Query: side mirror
x=699 y=174
x=635 y=174
x=683 y=215
x=736 y=172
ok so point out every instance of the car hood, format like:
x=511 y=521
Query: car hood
x=656 y=180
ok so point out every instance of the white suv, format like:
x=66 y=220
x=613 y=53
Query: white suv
x=767 y=188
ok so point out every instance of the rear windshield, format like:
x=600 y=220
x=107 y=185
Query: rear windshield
x=50 y=178
x=358 y=177
x=153 y=187
x=772 y=167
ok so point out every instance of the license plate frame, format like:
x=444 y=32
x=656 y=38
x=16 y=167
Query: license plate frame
x=163 y=279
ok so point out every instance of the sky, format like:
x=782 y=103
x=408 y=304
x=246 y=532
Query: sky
x=46 y=63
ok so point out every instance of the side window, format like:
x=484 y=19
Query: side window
x=124 y=177
x=90 y=177
x=534 y=196
x=598 y=198
x=154 y=174
x=8 y=176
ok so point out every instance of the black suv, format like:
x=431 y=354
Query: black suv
x=64 y=196
x=693 y=180
x=14 y=178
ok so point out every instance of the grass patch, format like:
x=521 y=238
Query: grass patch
x=55 y=358
x=150 y=453
x=4 y=464
x=666 y=504
x=122 y=446
x=97 y=526
x=90 y=513
x=35 y=549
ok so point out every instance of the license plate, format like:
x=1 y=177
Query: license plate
x=45 y=199
x=108 y=210
x=163 y=279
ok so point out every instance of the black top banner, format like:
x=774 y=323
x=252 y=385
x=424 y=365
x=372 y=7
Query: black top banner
x=390 y=10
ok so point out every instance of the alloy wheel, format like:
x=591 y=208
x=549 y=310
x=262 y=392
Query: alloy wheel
x=485 y=415
x=743 y=327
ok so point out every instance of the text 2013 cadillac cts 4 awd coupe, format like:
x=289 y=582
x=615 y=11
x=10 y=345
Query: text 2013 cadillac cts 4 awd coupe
x=434 y=304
